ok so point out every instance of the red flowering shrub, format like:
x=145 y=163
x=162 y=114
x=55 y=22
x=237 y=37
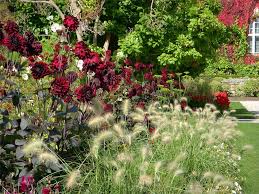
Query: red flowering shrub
x=136 y=90
x=60 y=87
x=39 y=69
x=71 y=23
x=111 y=81
x=222 y=100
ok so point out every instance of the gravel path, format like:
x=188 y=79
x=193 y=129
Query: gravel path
x=253 y=107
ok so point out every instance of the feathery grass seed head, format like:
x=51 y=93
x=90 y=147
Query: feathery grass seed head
x=33 y=147
x=48 y=158
x=72 y=179
x=145 y=180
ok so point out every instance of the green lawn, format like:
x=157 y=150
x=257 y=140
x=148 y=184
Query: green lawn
x=250 y=160
x=241 y=112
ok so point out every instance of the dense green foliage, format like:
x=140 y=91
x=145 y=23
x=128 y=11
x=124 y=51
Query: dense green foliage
x=225 y=68
x=172 y=34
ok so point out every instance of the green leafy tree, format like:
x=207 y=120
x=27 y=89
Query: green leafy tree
x=182 y=34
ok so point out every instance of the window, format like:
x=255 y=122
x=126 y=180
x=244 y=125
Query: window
x=253 y=37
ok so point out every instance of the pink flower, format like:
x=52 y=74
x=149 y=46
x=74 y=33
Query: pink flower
x=45 y=190
x=24 y=184
x=71 y=23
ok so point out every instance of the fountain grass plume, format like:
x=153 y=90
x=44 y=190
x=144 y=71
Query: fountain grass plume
x=72 y=178
x=33 y=147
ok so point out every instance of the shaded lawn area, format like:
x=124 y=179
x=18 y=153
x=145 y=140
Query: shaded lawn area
x=241 y=112
x=250 y=160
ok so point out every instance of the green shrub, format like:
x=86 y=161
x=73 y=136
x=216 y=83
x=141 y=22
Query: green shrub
x=224 y=68
x=249 y=88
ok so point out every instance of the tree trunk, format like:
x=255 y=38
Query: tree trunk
x=96 y=30
x=107 y=41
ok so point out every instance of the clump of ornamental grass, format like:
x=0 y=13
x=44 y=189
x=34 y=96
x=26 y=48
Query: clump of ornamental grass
x=183 y=152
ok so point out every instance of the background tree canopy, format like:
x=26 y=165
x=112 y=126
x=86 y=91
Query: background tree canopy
x=183 y=34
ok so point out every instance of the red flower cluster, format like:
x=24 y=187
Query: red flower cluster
x=39 y=69
x=141 y=66
x=26 y=44
x=71 y=23
x=15 y=42
x=91 y=62
x=81 y=50
x=59 y=63
x=26 y=184
x=85 y=93
x=221 y=98
x=136 y=90
x=148 y=76
x=126 y=74
x=60 y=87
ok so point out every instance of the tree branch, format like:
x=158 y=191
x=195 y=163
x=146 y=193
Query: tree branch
x=50 y=2
x=151 y=7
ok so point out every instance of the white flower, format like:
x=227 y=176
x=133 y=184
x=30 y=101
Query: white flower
x=28 y=69
x=25 y=76
x=80 y=64
x=56 y=27
x=46 y=31
x=50 y=17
